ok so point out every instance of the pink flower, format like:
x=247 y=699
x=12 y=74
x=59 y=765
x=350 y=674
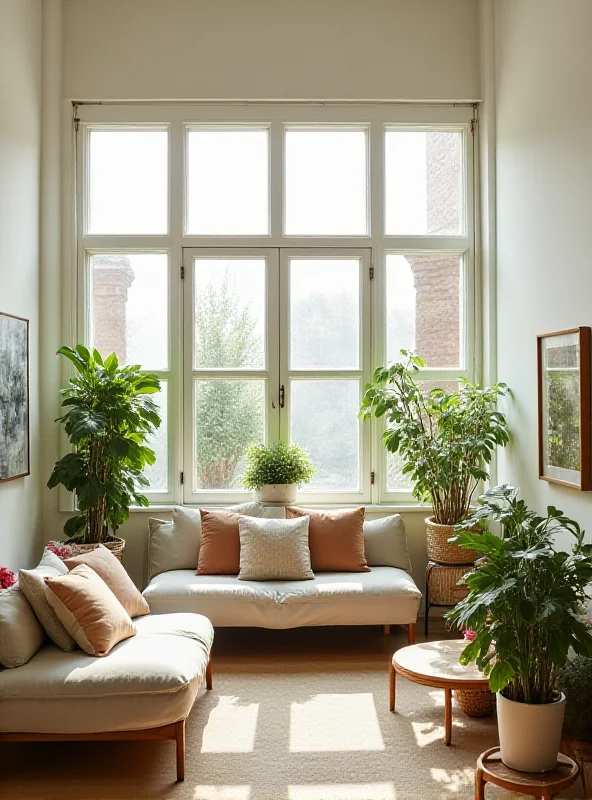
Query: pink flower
x=62 y=551
x=7 y=578
x=469 y=634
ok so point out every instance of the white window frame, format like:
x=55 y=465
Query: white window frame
x=277 y=118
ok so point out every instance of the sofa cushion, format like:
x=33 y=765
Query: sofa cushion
x=21 y=635
x=32 y=583
x=175 y=544
x=112 y=571
x=336 y=538
x=146 y=681
x=88 y=609
x=274 y=549
x=384 y=595
x=385 y=543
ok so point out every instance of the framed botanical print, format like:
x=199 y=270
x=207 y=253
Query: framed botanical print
x=565 y=435
x=14 y=397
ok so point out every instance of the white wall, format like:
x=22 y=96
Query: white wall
x=271 y=49
x=20 y=119
x=544 y=210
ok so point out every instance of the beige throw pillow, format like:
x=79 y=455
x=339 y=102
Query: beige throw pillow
x=32 y=584
x=21 y=635
x=112 y=571
x=274 y=549
x=385 y=543
x=89 y=610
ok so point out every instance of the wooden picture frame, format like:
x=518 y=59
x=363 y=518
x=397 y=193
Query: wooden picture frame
x=564 y=410
x=15 y=456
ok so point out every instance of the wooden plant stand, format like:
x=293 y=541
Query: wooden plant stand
x=543 y=785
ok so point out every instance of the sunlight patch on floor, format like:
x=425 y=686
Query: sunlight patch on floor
x=427 y=732
x=345 y=791
x=455 y=780
x=231 y=727
x=221 y=793
x=335 y=723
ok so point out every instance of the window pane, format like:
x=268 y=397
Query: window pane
x=326 y=183
x=158 y=473
x=129 y=307
x=324 y=313
x=424 y=309
x=128 y=182
x=395 y=480
x=229 y=313
x=230 y=415
x=424 y=183
x=228 y=183
x=324 y=421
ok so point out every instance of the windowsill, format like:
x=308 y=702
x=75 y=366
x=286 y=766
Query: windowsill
x=395 y=508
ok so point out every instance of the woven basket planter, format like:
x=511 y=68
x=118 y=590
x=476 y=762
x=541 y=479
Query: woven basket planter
x=442 y=584
x=476 y=704
x=117 y=546
x=440 y=549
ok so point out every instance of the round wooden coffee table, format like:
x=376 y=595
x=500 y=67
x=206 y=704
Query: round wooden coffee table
x=436 y=664
x=491 y=769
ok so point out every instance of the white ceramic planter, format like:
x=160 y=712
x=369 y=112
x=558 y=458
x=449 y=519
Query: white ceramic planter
x=530 y=735
x=277 y=493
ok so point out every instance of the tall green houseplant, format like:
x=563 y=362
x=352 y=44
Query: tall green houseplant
x=109 y=417
x=445 y=439
x=524 y=605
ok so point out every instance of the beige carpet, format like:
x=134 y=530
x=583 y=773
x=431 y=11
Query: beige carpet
x=276 y=732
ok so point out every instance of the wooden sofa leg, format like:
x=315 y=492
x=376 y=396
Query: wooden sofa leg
x=411 y=633
x=180 y=739
x=209 y=674
x=387 y=630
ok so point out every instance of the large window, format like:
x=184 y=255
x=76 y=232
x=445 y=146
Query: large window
x=263 y=260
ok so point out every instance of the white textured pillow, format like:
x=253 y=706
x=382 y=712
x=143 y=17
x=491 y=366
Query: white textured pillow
x=32 y=584
x=385 y=543
x=21 y=635
x=175 y=545
x=274 y=549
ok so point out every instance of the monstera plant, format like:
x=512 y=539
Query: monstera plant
x=109 y=416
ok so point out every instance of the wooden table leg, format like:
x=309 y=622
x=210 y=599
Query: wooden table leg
x=448 y=716
x=392 y=678
x=387 y=630
x=479 y=785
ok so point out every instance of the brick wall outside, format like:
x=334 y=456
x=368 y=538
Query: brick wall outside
x=112 y=276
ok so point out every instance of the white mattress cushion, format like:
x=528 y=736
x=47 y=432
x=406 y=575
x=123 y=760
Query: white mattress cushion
x=384 y=595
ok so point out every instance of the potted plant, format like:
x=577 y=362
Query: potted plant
x=575 y=681
x=276 y=471
x=445 y=440
x=108 y=419
x=523 y=604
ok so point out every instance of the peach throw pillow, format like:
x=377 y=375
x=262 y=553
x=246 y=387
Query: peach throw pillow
x=335 y=538
x=88 y=610
x=219 y=549
x=112 y=571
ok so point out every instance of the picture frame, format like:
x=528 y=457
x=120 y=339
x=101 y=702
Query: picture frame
x=564 y=410
x=14 y=398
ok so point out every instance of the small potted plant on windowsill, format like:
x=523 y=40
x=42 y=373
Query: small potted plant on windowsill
x=276 y=471
x=445 y=439
x=108 y=418
x=524 y=606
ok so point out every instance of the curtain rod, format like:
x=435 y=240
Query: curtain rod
x=317 y=103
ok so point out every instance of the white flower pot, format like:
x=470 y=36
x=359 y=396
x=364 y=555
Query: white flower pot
x=277 y=493
x=530 y=735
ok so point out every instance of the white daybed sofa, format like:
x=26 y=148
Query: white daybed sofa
x=143 y=689
x=384 y=596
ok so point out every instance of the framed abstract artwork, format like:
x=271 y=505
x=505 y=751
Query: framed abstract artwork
x=14 y=397
x=565 y=428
